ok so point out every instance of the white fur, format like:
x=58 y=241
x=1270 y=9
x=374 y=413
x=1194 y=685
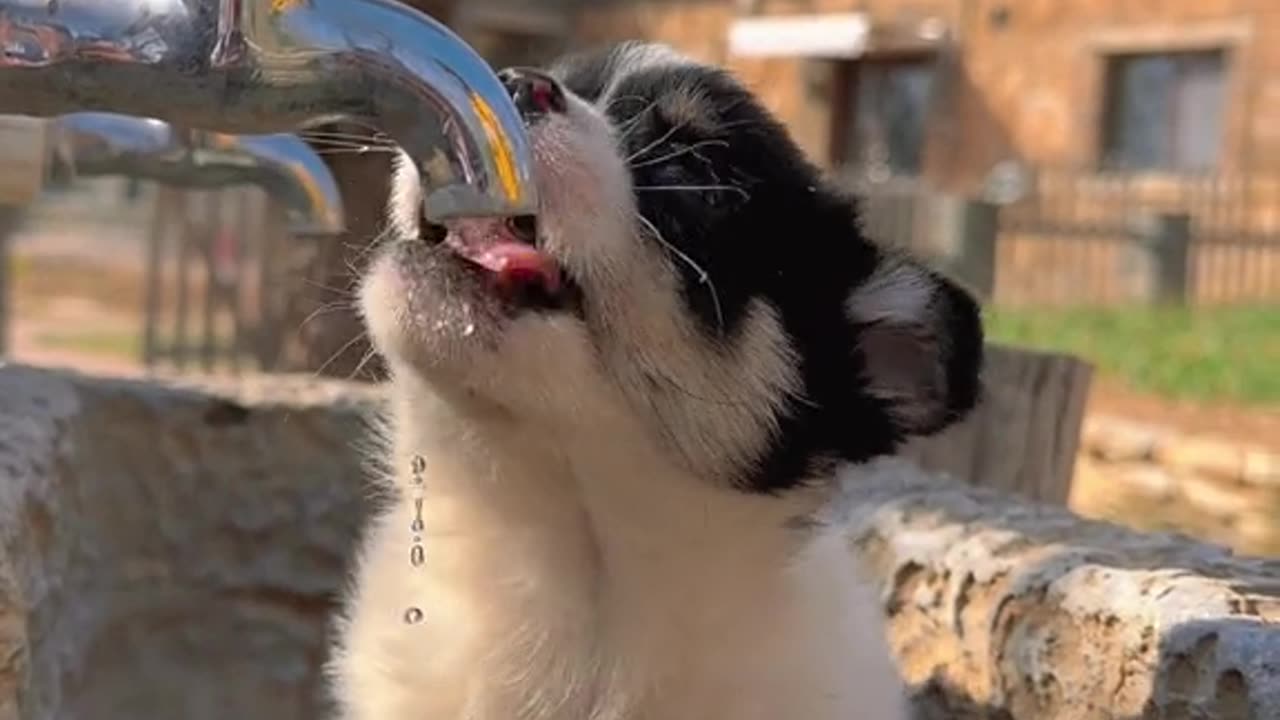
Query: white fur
x=645 y=56
x=585 y=559
x=898 y=292
x=596 y=579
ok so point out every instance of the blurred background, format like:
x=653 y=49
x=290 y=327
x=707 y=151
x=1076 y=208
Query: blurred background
x=1104 y=173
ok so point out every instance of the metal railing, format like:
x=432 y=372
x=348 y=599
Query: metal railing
x=1083 y=237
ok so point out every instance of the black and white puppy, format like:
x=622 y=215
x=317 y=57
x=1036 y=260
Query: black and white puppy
x=631 y=412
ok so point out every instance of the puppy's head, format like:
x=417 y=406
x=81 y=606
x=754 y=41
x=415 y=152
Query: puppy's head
x=689 y=273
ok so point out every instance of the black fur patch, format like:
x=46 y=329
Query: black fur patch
x=741 y=211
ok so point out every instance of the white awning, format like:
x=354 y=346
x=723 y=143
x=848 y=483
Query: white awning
x=832 y=35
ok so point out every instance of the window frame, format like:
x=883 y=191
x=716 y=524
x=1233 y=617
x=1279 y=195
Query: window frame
x=848 y=76
x=1235 y=37
x=1170 y=156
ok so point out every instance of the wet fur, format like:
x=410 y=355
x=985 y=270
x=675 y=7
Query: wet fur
x=628 y=507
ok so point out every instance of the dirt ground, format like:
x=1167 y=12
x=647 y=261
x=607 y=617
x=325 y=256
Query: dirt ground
x=1260 y=426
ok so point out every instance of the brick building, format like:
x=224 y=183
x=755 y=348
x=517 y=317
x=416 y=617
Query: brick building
x=951 y=89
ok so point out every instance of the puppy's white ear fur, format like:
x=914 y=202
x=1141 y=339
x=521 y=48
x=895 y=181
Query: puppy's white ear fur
x=404 y=206
x=920 y=344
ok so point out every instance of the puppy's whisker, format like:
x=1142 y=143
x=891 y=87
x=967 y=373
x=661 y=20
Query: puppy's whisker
x=354 y=151
x=351 y=268
x=655 y=144
x=372 y=243
x=338 y=353
x=368 y=355
x=640 y=98
x=348 y=141
x=333 y=146
x=362 y=250
x=691 y=149
x=725 y=401
x=325 y=309
x=371 y=139
x=693 y=188
x=633 y=122
x=363 y=137
x=347 y=292
x=704 y=278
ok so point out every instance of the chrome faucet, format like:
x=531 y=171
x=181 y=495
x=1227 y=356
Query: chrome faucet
x=250 y=67
x=287 y=168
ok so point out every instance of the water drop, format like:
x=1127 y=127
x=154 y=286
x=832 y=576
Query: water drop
x=469 y=330
x=417 y=556
x=417 y=526
x=413 y=615
x=417 y=539
x=419 y=464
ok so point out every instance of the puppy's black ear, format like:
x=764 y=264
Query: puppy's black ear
x=919 y=336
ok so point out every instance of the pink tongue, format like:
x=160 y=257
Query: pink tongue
x=489 y=244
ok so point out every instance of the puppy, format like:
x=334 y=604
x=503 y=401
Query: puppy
x=615 y=429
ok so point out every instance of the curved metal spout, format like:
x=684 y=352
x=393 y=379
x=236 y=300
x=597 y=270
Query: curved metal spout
x=283 y=165
x=250 y=67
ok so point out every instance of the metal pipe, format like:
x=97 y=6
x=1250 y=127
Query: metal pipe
x=283 y=165
x=250 y=67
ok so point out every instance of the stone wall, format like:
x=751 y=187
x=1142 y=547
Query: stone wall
x=1157 y=478
x=174 y=552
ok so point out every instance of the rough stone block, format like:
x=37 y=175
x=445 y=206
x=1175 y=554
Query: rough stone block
x=1117 y=440
x=1204 y=456
x=169 y=553
x=1262 y=468
x=1008 y=610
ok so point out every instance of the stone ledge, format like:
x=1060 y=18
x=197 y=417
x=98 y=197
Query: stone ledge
x=169 y=552
x=1003 y=609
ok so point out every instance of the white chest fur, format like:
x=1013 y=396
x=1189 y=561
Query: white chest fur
x=589 y=580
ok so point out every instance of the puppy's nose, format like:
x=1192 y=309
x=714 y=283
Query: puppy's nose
x=535 y=93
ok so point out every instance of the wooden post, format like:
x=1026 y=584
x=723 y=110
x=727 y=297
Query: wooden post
x=1023 y=436
x=157 y=235
x=11 y=217
x=1165 y=242
x=186 y=234
x=964 y=242
x=5 y=312
x=211 y=212
x=24 y=144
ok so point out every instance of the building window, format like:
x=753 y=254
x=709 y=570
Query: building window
x=1164 y=111
x=886 y=114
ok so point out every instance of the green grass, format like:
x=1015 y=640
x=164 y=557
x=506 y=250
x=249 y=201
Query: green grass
x=122 y=345
x=1211 y=354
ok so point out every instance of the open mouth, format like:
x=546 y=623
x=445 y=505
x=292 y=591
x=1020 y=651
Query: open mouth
x=506 y=251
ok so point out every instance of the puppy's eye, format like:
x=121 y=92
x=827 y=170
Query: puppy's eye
x=429 y=232
x=524 y=227
x=433 y=233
